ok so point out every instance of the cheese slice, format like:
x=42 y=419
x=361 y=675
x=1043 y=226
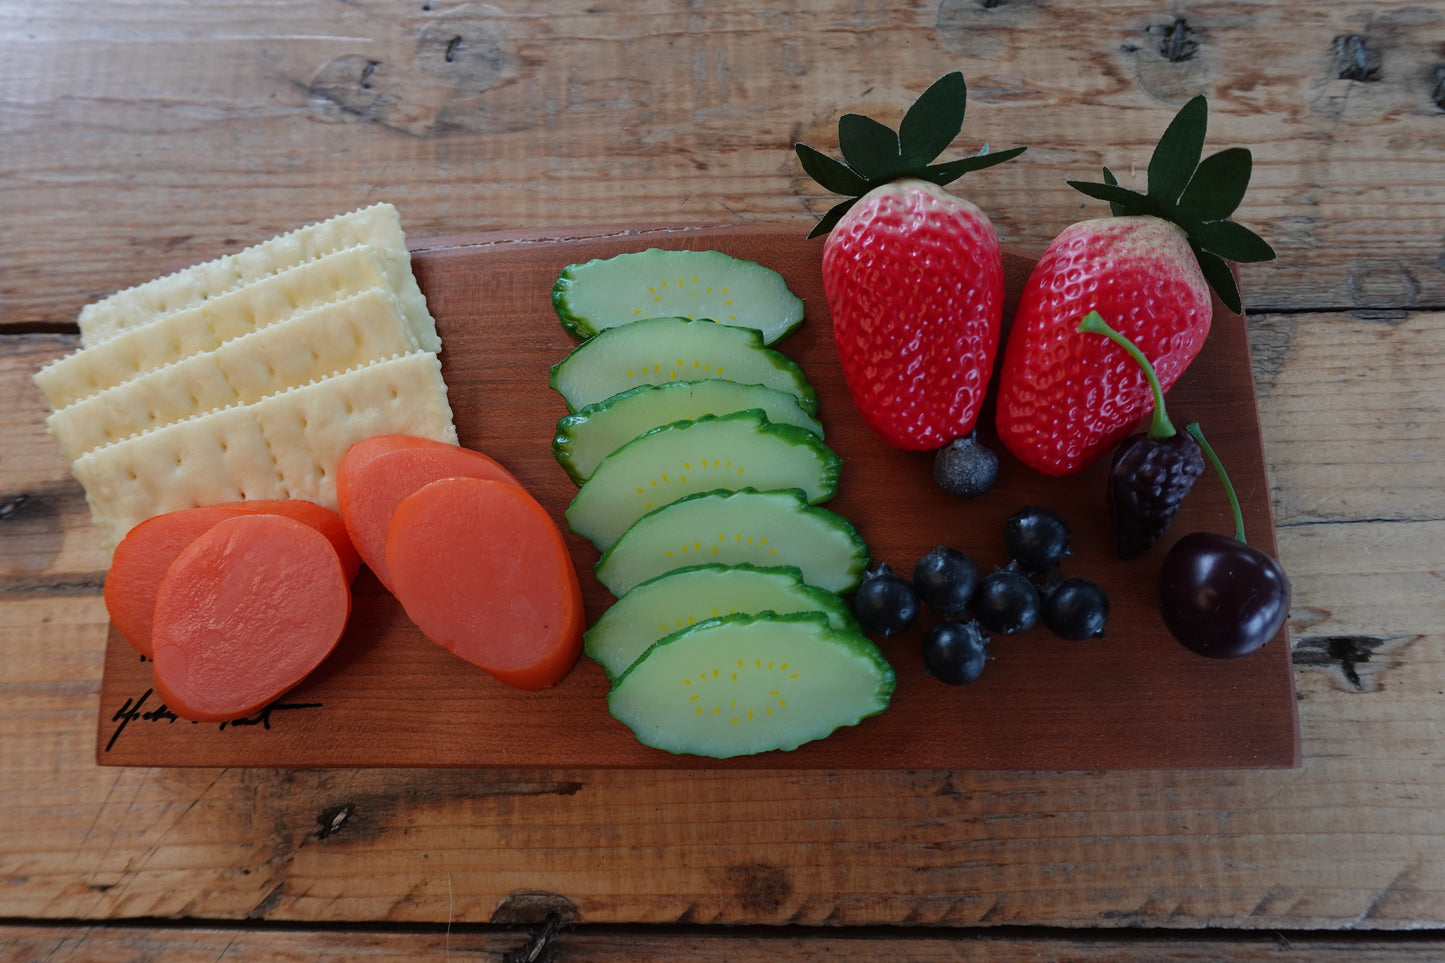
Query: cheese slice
x=307 y=346
x=378 y=225
x=286 y=445
x=207 y=326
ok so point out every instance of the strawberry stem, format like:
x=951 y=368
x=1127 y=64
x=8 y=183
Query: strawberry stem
x=1160 y=427
x=1197 y=434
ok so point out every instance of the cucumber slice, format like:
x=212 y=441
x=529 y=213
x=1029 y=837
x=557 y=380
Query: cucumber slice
x=687 y=596
x=584 y=439
x=658 y=350
x=601 y=293
x=744 y=684
x=739 y=450
x=729 y=527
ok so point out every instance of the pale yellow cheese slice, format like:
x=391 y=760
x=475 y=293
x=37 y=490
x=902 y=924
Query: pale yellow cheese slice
x=206 y=460
x=378 y=226
x=308 y=429
x=286 y=445
x=309 y=345
x=207 y=326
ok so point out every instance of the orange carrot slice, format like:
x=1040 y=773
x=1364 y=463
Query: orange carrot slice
x=246 y=612
x=142 y=557
x=482 y=569
x=319 y=517
x=376 y=474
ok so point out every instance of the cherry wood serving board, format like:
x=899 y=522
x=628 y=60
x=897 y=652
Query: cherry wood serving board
x=1133 y=700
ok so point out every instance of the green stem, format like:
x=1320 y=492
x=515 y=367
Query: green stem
x=1197 y=434
x=1160 y=427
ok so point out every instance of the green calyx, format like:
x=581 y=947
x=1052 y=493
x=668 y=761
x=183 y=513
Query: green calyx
x=874 y=153
x=1197 y=193
x=1160 y=427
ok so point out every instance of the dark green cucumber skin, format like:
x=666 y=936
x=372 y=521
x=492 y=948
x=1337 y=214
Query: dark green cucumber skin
x=829 y=603
x=578 y=328
x=562 y=440
x=829 y=463
x=862 y=557
x=807 y=399
x=887 y=677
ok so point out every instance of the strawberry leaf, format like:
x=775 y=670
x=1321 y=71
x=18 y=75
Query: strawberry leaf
x=946 y=173
x=1177 y=154
x=869 y=147
x=1115 y=208
x=831 y=219
x=1216 y=271
x=1218 y=185
x=833 y=175
x=1122 y=201
x=1231 y=241
x=873 y=154
x=934 y=120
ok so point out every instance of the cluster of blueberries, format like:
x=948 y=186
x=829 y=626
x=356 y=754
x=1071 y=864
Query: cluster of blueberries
x=1007 y=601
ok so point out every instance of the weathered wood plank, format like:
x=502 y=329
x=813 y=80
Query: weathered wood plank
x=1351 y=840
x=485 y=117
x=562 y=944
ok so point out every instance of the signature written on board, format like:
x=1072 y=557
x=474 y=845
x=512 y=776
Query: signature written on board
x=137 y=710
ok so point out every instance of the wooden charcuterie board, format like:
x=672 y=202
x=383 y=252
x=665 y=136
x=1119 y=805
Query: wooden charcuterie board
x=1134 y=700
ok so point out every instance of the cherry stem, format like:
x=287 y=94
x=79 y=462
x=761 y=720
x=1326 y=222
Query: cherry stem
x=1197 y=434
x=1160 y=427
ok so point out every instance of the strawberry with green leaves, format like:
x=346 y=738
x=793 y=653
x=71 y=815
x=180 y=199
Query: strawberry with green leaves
x=1064 y=399
x=912 y=273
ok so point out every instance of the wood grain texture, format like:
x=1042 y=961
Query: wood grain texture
x=655 y=111
x=562 y=944
x=1134 y=700
x=139 y=135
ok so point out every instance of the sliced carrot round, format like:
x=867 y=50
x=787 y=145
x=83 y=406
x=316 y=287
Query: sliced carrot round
x=376 y=474
x=482 y=569
x=319 y=517
x=244 y=613
x=140 y=562
x=141 y=559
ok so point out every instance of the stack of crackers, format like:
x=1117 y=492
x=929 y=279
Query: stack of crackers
x=249 y=376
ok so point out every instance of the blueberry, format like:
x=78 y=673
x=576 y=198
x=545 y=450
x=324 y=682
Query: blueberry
x=945 y=579
x=884 y=602
x=1006 y=602
x=1036 y=538
x=954 y=652
x=1076 y=609
x=965 y=467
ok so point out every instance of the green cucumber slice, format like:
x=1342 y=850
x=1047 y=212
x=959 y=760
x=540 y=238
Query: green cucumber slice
x=658 y=350
x=590 y=435
x=729 y=527
x=744 y=684
x=675 y=600
x=600 y=294
x=740 y=450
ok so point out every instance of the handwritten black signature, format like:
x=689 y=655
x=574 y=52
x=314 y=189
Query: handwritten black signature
x=133 y=710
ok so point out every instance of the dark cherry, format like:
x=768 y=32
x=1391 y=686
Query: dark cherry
x=1221 y=597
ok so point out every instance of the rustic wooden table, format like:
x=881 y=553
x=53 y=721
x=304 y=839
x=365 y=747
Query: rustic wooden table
x=138 y=135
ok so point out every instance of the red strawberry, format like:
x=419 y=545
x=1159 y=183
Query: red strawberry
x=1065 y=398
x=913 y=274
